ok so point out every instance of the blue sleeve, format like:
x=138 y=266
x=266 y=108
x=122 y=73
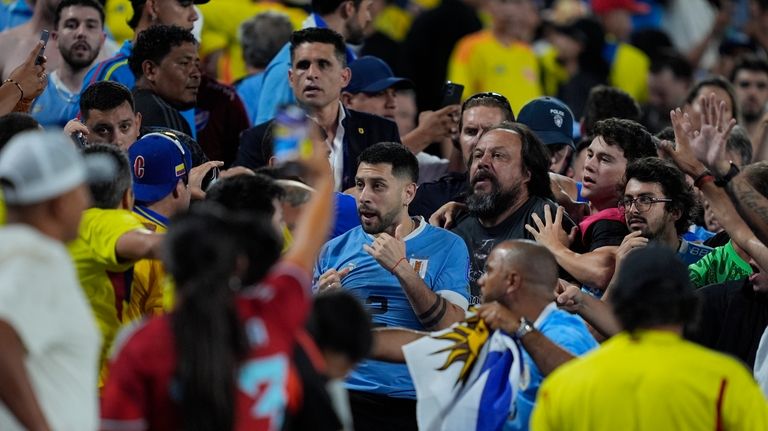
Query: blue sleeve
x=454 y=275
x=346 y=214
x=275 y=92
x=320 y=266
x=89 y=77
x=575 y=341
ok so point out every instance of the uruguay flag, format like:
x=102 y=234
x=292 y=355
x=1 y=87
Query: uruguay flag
x=465 y=378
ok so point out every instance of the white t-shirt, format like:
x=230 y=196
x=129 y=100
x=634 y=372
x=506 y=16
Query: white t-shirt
x=761 y=363
x=41 y=299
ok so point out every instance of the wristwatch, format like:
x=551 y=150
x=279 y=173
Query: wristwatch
x=526 y=326
x=725 y=179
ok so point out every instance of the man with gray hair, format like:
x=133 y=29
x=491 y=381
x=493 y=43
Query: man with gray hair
x=48 y=362
x=261 y=37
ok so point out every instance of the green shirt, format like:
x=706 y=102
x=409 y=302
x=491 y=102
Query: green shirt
x=720 y=265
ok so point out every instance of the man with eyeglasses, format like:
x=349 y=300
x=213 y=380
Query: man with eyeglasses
x=589 y=256
x=657 y=204
x=750 y=81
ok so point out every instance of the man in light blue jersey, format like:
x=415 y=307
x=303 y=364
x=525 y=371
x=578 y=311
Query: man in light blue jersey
x=79 y=35
x=657 y=204
x=409 y=274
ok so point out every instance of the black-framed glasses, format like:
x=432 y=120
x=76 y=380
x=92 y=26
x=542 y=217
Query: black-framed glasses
x=488 y=95
x=642 y=203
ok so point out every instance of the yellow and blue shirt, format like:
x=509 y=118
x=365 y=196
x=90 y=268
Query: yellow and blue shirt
x=481 y=63
x=104 y=277
x=150 y=282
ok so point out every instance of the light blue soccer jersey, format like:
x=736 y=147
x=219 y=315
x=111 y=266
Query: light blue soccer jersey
x=56 y=105
x=442 y=260
x=690 y=252
x=567 y=331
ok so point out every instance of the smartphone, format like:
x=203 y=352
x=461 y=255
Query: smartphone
x=44 y=37
x=291 y=141
x=79 y=139
x=452 y=93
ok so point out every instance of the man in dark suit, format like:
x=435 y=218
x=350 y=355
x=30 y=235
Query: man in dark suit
x=318 y=73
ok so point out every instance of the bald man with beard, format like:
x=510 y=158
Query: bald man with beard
x=517 y=291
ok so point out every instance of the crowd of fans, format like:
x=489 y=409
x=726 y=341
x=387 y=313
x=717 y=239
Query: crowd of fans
x=597 y=190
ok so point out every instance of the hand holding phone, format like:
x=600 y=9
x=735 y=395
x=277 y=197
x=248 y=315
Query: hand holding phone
x=41 y=54
x=452 y=94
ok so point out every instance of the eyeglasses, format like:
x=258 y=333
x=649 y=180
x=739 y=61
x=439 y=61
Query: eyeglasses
x=642 y=203
x=488 y=95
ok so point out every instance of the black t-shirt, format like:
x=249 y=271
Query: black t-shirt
x=431 y=196
x=316 y=411
x=733 y=319
x=158 y=113
x=603 y=233
x=481 y=240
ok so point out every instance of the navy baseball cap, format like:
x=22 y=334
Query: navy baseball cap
x=372 y=75
x=550 y=119
x=158 y=162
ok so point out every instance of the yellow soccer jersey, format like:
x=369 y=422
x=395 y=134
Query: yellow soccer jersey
x=94 y=256
x=222 y=20
x=650 y=382
x=149 y=276
x=629 y=71
x=481 y=63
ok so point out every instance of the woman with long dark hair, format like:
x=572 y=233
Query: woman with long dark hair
x=221 y=359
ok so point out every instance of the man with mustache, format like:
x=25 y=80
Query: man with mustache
x=408 y=273
x=479 y=112
x=167 y=67
x=79 y=35
x=657 y=206
x=509 y=180
x=590 y=256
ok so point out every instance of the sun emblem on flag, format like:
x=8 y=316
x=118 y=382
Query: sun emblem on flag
x=468 y=338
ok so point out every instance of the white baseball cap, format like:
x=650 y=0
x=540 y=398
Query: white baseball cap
x=39 y=165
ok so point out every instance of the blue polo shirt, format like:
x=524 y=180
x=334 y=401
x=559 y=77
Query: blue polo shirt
x=567 y=331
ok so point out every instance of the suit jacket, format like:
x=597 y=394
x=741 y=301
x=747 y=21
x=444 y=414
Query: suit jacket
x=361 y=130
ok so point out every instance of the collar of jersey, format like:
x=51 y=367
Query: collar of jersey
x=415 y=233
x=152 y=216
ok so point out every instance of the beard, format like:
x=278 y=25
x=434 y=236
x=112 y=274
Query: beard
x=355 y=33
x=491 y=204
x=78 y=62
x=751 y=116
x=385 y=222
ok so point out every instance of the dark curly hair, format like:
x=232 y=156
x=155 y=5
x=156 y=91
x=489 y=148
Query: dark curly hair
x=155 y=43
x=608 y=102
x=672 y=181
x=628 y=135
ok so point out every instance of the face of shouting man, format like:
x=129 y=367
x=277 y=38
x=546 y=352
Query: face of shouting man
x=383 y=197
x=496 y=174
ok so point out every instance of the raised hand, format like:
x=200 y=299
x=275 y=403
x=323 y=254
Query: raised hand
x=388 y=250
x=550 y=233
